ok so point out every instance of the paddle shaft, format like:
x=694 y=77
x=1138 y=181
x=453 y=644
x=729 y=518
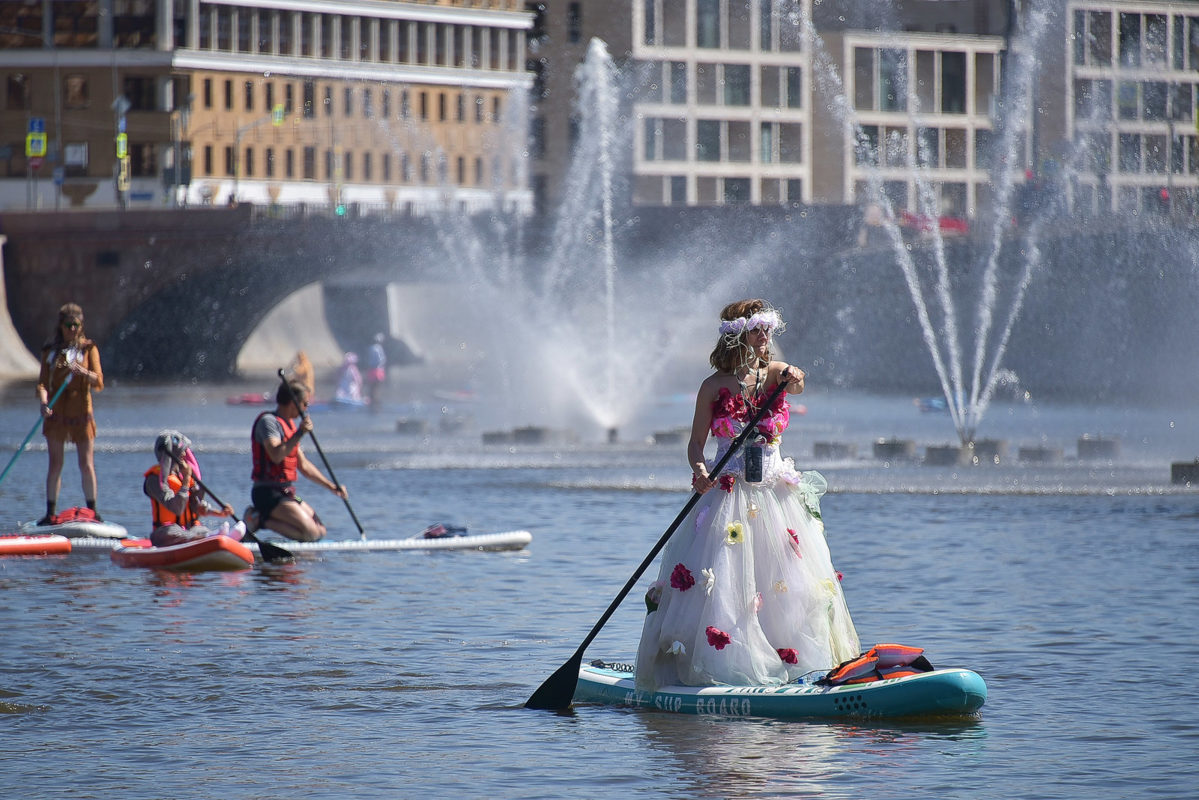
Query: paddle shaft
x=36 y=425
x=567 y=676
x=270 y=552
x=325 y=461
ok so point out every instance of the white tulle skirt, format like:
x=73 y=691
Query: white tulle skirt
x=747 y=594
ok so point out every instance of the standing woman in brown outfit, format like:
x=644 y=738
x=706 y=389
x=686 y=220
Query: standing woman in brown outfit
x=72 y=357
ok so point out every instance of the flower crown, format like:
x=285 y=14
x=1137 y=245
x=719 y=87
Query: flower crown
x=768 y=319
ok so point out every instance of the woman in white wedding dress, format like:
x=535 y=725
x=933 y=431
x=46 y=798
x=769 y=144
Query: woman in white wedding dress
x=747 y=594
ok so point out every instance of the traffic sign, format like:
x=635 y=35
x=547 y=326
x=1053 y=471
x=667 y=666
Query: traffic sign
x=277 y=115
x=122 y=145
x=35 y=144
x=35 y=163
x=37 y=125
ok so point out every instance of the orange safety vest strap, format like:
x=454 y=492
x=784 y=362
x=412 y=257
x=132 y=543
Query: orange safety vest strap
x=163 y=515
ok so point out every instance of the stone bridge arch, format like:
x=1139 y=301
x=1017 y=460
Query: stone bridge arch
x=175 y=294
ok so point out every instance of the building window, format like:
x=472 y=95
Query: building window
x=329 y=175
x=460 y=107
x=140 y=94
x=386 y=113
x=309 y=99
x=270 y=95
x=368 y=104
x=207 y=92
x=678 y=190
x=574 y=22
x=736 y=85
x=328 y=102
x=230 y=161
x=707 y=23
x=207 y=159
x=249 y=95
x=892 y=70
x=736 y=191
x=270 y=162
x=537 y=138
x=794 y=78
x=424 y=106
x=405 y=108
x=348 y=158
x=953 y=83
x=228 y=94
x=290 y=163
x=387 y=167
x=289 y=98
x=348 y=105
x=367 y=167
x=707 y=140
x=309 y=163
x=678 y=82
x=441 y=107
x=248 y=171
x=19 y=92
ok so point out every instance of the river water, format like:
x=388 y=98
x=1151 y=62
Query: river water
x=1071 y=588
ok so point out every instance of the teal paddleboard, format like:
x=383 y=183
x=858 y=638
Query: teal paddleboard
x=942 y=692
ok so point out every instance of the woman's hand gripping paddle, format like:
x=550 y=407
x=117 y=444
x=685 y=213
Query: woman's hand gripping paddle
x=268 y=551
x=328 y=468
x=559 y=689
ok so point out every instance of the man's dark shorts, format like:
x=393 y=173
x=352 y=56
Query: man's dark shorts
x=265 y=498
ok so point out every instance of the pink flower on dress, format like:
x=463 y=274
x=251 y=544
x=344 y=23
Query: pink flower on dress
x=795 y=542
x=788 y=655
x=722 y=428
x=727 y=481
x=681 y=578
x=718 y=638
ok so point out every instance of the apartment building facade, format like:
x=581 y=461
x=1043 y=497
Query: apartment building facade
x=1132 y=85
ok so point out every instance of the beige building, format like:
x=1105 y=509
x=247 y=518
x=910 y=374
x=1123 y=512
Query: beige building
x=764 y=102
x=1131 y=80
x=358 y=103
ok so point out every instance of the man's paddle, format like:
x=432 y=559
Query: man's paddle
x=269 y=552
x=317 y=445
x=559 y=689
x=36 y=425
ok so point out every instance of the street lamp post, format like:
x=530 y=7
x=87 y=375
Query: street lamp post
x=275 y=118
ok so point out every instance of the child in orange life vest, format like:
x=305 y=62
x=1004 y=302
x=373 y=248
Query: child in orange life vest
x=176 y=500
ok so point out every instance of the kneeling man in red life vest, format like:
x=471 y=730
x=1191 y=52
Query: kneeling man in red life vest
x=278 y=459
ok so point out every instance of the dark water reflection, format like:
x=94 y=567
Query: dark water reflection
x=395 y=675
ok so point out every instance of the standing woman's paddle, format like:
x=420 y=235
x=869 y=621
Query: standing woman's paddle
x=33 y=431
x=559 y=689
x=317 y=445
x=269 y=551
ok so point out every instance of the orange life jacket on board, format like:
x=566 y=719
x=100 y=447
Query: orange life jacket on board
x=164 y=515
x=879 y=663
x=267 y=471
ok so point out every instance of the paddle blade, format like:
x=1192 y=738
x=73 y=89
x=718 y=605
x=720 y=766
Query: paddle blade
x=558 y=691
x=268 y=551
